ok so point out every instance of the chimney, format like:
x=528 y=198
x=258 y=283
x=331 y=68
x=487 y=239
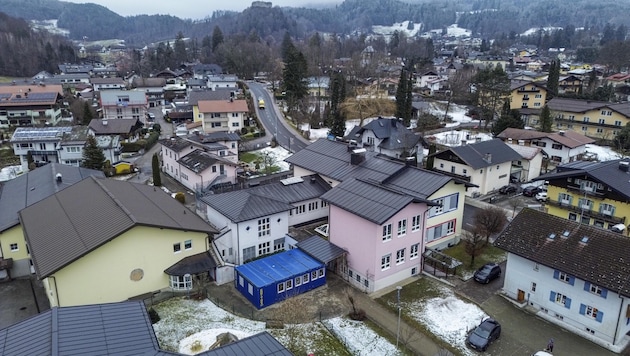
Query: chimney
x=488 y=157
x=104 y=121
x=624 y=166
x=464 y=142
x=58 y=177
x=561 y=133
x=357 y=156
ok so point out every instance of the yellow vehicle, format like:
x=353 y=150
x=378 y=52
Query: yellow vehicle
x=261 y=104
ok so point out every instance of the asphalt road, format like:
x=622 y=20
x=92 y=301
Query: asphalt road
x=272 y=120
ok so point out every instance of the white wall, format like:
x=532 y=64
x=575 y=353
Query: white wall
x=309 y=214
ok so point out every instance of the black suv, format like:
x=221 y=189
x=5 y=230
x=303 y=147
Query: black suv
x=487 y=273
x=531 y=190
x=508 y=189
x=481 y=337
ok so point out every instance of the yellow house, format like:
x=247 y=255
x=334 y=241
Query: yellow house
x=126 y=240
x=593 y=193
x=527 y=95
x=595 y=119
x=17 y=194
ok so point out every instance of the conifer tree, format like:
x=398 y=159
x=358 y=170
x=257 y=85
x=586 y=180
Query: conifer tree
x=546 y=122
x=93 y=156
x=155 y=166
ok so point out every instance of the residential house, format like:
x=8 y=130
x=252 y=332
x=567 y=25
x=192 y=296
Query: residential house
x=600 y=120
x=390 y=137
x=222 y=81
x=115 y=83
x=201 y=70
x=593 y=193
x=486 y=164
x=574 y=275
x=69 y=68
x=318 y=87
x=618 y=80
x=423 y=80
x=222 y=115
x=559 y=147
x=195 y=96
x=153 y=88
x=42 y=145
x=221 y=143
x=29 y=105
x=490 y=62
x=201 y=171
x=336 y=162
x=144 y=239
x=127 y=130
x=124 y=104
x=529 y=166
x=569 y=84
x=23 y=191
x=527 y=95
x=255 y=221
x=71 y=80
x=122 y=329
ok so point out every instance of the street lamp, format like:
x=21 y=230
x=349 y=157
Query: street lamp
x=398 y=288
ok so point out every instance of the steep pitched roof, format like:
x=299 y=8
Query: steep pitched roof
x=109 y=329
x=582 y=106
x=199 y=160
x=211 y=137
x=114 y=127
x=38 y=184
x=608 y=173
x=392 y=131
x=264 y=200
x=601 y=260
x=527 y=152
x=568 y=138
x=176 y=143
x=221 y=106
x=217 y=94
x=520 y=134
x=475 y=154
x=63 y=227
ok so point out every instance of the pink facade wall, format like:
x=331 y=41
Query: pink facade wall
x=363 y=240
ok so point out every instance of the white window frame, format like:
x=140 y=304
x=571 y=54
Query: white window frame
x=402 y=227
x=264 y=227
x=386 y=262
x=591 y=311
x=415 y=223
x=14 y=247
x=387 y=232
x=561 y=299
x=280 y=287
x=595 y=289
x=400 y=256
x=181 y=282
x=177 y=247
x=187 y=244
x=564 y=277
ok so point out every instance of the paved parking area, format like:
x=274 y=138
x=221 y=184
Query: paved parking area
x=20 y=299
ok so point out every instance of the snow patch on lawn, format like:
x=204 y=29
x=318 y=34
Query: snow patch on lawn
x=359 y=338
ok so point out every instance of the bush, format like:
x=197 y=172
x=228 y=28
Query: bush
x=132 y=146
x=154 y=316
x=243 y=130
x=180 y=197
x=152 y=140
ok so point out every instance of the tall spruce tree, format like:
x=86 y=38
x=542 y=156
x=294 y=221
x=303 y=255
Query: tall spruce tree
x=294 y=77
x=553 y=78
x=93 y=156
x=155 y=166
x=546 y=122
x=337 y=121
x=401 y=94
x=87 y=114
x=217 y=38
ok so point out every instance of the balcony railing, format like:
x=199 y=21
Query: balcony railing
x=587 y=212
x=589 y=123
x=593 y=193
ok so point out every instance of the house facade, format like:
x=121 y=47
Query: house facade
x=222 y=115
x=599 y=120
x=115 y=83
x=153 y=88
x=63 y=144
x=29 y=105
x=575 y=275
x=124 y=104
x=145 y=231
x=486 y=164
x=23 y=191
x=593 y=193
x=525 y=94
x=530 y=166
x=221 y=81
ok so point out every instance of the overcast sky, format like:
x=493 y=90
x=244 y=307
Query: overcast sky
x=189 y=9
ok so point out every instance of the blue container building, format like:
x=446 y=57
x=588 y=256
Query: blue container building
x=277 y=277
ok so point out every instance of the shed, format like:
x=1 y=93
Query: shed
x=277 y=277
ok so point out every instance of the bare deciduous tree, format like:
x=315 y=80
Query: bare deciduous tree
x=490 y=220
x=474 y=244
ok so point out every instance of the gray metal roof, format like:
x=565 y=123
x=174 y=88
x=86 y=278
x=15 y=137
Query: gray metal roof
x=607 y=173
x=211 y=137
x=368 y=200
x=199 y=160
x=114 y=126
x=263 y=200
x=115 y=329
x=332 y=159
x=65 y=226
x=322 y=250
x=602 y=259
x=201 y=262
x=176 y=143
x=417 y=182
x=217 y=94
x=34 y=186
x=391 y=130
x=474 y=154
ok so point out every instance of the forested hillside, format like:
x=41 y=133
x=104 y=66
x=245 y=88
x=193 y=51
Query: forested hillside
x=25 y=52
x=487 y=18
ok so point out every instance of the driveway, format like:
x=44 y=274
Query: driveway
x=21 y=299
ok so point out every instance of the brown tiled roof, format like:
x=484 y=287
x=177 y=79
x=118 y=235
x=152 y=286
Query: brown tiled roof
x=520 y=134
x=601 y=260
x=219 y=106
x=570 y=138
x=115 y=80
x=77 y=220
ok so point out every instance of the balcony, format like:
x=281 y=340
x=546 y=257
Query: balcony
x=592 y=193
x=587 y=212
x=597 y=124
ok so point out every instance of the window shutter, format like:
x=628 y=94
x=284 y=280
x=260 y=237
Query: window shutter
x=582 y=309
x=571 y=280
x=454 y=199
x=556 y=274
x=600 y=316
x=567 y=303
x=604 y=293
x=587 y=286
x=552 y=297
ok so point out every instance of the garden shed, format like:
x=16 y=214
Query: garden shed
x=277 y=277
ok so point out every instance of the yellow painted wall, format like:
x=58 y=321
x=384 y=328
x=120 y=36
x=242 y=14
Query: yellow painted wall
x=516 y=97
x=621 y=208
x=10 y=236
x=576 y=122
x=123 y=168
x=103 y=275
x=458 y=214
x=196 y=114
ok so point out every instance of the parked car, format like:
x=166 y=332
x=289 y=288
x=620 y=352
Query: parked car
x=541 y=196
x=487 y=273
x=508 y=189
x=542 y=353
x=151 y=116
x=531 y=190
x=484 y=334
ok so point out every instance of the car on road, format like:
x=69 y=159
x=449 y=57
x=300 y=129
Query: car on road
x=531 y=190
x=483 y=335
x=488 y=272
x=541 y=196
x=508 y=189
x=151 y=116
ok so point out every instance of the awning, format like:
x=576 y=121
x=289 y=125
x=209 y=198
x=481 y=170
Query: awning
x=195 y=264
x=322 y=250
